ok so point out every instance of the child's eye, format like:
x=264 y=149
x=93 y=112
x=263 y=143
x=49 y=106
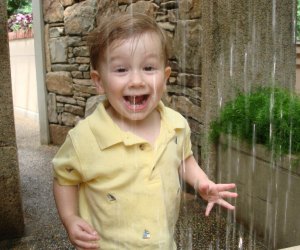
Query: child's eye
x=149 y=68
x=120 y=70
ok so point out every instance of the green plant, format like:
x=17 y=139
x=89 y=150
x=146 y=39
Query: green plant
x=18 y=6
x=270 y=115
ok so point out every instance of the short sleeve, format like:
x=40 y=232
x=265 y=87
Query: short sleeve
x=66 y=164
x=187 y=144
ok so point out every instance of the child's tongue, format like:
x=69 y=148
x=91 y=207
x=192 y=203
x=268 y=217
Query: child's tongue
x=135 y=99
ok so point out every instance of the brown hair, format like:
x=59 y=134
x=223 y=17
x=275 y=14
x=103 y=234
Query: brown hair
x=121 y=27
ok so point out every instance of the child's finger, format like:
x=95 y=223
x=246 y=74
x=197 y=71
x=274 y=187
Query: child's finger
x=209 y=207
x=227 y=186
x=85 y=227
x=225 y=204
x=84 y=236
x=227 y=194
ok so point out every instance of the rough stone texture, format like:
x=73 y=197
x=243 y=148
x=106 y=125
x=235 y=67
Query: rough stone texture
x=189 y=9
x=67 y=2
x=187 y=46
x=143 y=7
x=58 y=133
x=79 y=18
x=69 y=119
x=92 y=103
x=53 y=11
x=52 y=108
x=56 y=32
x=11 y=214
x=59 y=82
x=58 y=50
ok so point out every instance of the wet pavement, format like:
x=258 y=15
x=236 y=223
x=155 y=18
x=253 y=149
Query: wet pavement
x=43 y=229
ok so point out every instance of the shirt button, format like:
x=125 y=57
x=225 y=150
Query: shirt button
x=142 y=146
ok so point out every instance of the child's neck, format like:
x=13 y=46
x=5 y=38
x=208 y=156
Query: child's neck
x=147 y=129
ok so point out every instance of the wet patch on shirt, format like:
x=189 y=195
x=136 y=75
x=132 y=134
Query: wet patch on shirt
x=146 y=234
x=69 y=170
x=110 y=197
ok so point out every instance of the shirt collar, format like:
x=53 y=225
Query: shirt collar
x=107 y=133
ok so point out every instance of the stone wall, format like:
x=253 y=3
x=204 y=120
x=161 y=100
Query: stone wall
x=71 y=92
x=11 y=222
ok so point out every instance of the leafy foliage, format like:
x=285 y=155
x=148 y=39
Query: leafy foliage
x=20 y=22
x=272 y=115
x=18 y=6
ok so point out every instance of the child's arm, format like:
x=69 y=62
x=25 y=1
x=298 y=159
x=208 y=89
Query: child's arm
x=81 y=234
x=208 y=190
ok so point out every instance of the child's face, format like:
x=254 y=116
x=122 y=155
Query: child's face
x=133 y=76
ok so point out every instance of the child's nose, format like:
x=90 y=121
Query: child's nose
x=136 y=79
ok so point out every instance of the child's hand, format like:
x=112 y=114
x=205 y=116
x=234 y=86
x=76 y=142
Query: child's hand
x=215 y=194
x=81 y=234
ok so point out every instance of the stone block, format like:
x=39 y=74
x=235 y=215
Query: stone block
x=183 y=105
x=145 y=7
x=52 y=112
x=58 y=50
x=84 y=82
x=81 y=59
x=59 y=82
x=58 y=133
x=189 y=9
x=65 y=67
x=79 y=18
x=92 y=103
x=69 y=119
x=65 y=99
x=81 y=51
x=76 y=110
x=53 y=11
x=56 y=32
x=91 y=90
x=67 y=2
x=187 y=46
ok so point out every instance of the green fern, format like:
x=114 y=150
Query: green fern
x=275 y=114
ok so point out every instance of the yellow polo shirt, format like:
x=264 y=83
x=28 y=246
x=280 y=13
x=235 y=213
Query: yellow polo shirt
x=129 y=190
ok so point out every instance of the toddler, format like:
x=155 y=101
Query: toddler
x=117 y=175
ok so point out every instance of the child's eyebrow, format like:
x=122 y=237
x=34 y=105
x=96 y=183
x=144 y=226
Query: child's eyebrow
x=114 y=58
x=152 y=55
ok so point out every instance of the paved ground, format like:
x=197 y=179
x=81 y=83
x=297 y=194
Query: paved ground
x=44 y=230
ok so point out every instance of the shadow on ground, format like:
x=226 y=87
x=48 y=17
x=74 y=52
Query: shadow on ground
x=43 y=229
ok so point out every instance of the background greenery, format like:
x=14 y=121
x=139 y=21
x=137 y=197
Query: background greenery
x=269 y=116
x=18 y=6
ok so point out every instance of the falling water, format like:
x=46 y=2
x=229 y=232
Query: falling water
x=250 y=53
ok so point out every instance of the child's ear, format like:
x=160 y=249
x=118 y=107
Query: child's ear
x=168 y=71
x=97 y=81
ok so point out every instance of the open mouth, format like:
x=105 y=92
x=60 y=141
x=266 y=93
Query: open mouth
x=136 y=102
